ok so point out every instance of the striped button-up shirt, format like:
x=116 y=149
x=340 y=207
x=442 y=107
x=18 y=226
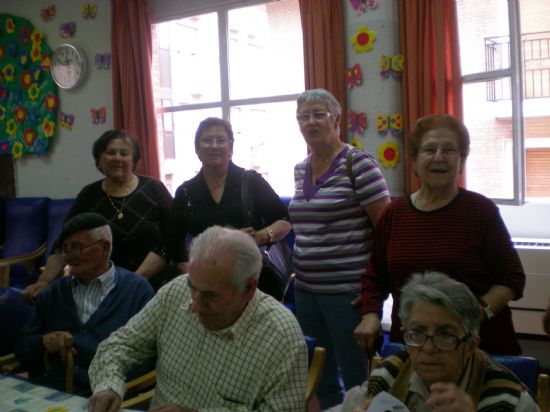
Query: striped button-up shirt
x=87 y=298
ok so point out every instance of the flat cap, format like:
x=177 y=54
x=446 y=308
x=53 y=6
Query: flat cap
x=82 y=221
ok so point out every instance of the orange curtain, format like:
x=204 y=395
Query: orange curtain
x=432 y=81
x=131 y=55
x=324 y=49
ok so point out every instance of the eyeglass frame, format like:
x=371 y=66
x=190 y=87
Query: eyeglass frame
x=221 y=141
x=458 y=340
x=317 y=116
x=70 y=251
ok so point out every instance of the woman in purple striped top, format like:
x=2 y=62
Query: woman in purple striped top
x=340 y=193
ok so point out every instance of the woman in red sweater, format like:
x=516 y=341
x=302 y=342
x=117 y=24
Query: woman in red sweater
x=444 y=228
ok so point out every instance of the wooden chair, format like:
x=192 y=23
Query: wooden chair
x=140 y=391
x=316 y=356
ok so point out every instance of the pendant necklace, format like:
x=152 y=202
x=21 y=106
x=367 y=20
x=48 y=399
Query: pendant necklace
x=119 y=214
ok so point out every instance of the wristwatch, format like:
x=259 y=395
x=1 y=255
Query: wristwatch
x=487 y=309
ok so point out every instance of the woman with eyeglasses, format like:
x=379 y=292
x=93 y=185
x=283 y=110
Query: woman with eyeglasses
x=445 y=228
x=340 y=193
x=213 y=197
x=442 y=368
x=136 y=207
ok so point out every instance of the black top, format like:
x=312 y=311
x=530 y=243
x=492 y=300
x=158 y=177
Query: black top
x=145 y=212
x=195 y=210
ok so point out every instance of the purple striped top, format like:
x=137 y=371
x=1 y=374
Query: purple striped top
x=333 y=232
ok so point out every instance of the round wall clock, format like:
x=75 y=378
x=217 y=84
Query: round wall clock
x=68 y=66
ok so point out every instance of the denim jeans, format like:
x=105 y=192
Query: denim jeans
x=331 y=320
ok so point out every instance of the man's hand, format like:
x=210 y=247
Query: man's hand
x=171 y=407
x=447 y=397
x=31 y=292
x=58 y=342
x=367 y=332
x=104 y=401
x=364 y=406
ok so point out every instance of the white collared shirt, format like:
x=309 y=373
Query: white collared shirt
x=87 y=298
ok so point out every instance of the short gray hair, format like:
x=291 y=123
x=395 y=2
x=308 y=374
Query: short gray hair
x=320 y=95
x=439 y=289
x=221 y=241
x=103 y=233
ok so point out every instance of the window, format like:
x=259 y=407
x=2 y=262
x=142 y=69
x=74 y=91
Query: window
x=243 y=64
x=505 y=56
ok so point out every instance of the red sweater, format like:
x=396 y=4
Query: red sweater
x=466 y=239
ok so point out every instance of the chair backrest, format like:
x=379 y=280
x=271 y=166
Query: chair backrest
x=57 y=213
x=316 y=360
x=25 y=231
x=14 y=313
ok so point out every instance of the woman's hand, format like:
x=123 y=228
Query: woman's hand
x=367 y=332
x=447 y=397
x=259 y=236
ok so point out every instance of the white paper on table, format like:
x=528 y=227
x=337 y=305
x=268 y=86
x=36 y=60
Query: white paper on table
x=384 y=402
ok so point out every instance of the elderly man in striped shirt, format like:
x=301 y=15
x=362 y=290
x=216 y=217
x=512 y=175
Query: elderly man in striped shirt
x=78 y=311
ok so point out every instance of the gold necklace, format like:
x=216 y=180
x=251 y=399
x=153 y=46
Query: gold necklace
x=119 y=215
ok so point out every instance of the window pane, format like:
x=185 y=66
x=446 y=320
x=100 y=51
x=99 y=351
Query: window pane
x=186 y=65
x=484 y=35
x=268 y=140
x=490 y=164
x=265 y=50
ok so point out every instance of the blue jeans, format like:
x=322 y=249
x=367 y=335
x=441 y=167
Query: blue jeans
x=331 y=320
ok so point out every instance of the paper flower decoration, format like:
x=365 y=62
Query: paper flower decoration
x=392 y=66
x=48 y=13
x=361 y=6
x=28 y=95
x=389 y=123
x=67 y=30
x=357 y=122
x=388 y=154
x=98 y=115
x=102 y=61
x=363 y=39
x=354 y=76
x=89 y=11
x=355 y=142
x=66 y=120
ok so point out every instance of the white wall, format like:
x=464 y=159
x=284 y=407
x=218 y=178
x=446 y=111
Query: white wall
x=68 y=165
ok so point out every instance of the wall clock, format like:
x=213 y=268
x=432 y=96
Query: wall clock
x=68 y=66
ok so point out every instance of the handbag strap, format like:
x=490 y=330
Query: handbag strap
x=245 y=199
x=349 y=168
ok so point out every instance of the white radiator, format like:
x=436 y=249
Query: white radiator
x=527 y=312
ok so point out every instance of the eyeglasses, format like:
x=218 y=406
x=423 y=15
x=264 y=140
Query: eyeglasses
x=76 y=250
x=441 y=341
x=209 y=141
x=304 y=117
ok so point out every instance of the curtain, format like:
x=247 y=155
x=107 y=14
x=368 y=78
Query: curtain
x=324 y=49
x=432 y=81
x=133 y=101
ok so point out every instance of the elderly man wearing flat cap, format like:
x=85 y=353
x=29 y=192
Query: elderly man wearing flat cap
x=79 y=311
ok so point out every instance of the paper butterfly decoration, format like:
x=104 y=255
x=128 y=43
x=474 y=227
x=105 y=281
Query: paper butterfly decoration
x=66 y=120
x=98 y=115
x=355 y=142
x=354 y=76
x=48 y=13
x=103 y=61
x=357 y=122
x=67 y=29
x=392 y=65
x=89 y=11
x=361 y=6
x=389 y=123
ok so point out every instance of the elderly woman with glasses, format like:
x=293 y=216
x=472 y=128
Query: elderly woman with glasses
x=339 y=194
x=442 y=368
x=446 y=228
x=213 y=197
